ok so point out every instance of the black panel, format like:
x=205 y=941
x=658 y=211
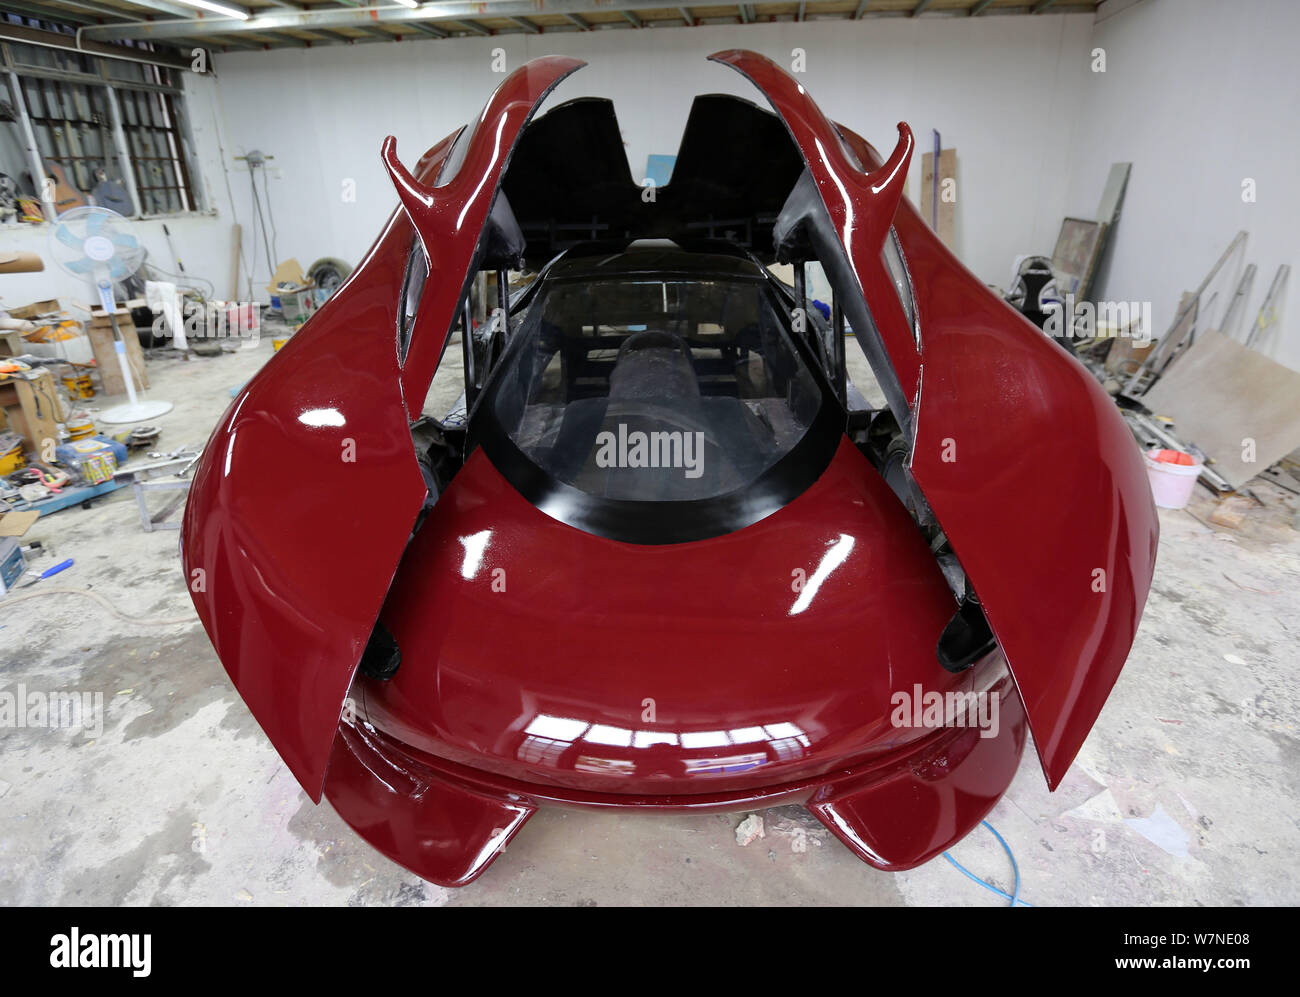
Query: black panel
x=569 y=180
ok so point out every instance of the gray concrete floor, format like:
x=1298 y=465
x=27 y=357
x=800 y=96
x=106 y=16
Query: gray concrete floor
x=1184 y=794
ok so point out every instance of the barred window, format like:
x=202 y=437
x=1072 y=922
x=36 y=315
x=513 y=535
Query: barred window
x=106 y=131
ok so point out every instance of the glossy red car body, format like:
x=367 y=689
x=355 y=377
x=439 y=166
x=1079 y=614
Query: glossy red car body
x=543 y=664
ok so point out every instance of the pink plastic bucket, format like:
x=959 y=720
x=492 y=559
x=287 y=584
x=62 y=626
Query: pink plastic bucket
x=1172 y=474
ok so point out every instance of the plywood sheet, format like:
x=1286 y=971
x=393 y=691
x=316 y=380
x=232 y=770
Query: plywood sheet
x=1221 y=393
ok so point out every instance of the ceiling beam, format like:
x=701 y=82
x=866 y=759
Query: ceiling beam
x=862 y=9
x=424 y=29
x=687 y=17
x=334 y=36
x=55 y=39
x=98 y=9
x=980 y=7
x=526 y=24
x=179 y=10
x=802 y=7
x=43 y=14
x=370 y=30
x=242 y=44
x=1041 y=6
x=287 y=40
x=455 y=11
x=631 y=18
x=920 y=7
x=575 y=19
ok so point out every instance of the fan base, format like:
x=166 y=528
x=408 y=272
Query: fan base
x=135 y=411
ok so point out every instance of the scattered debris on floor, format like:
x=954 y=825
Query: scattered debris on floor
x=1231 y=512
x=797 y=826
x=750 y=830
x=1162 y=830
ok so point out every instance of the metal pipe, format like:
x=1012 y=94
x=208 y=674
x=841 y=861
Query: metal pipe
x=467 y=354
x=123 y=151
x=503 y=301
x=33 y=153
x=837 y=351
x=352 y=17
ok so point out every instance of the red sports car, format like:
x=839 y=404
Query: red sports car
x=665 y=555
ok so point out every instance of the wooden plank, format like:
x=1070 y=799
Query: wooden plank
x=940 y=213
x=1221 y=394
x=947 y=223
x=236 y=241
x=927 y=187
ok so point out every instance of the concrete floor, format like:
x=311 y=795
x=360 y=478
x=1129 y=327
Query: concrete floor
x=1185 y=794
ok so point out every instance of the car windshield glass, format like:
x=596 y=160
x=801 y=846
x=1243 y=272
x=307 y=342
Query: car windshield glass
x=650 y=389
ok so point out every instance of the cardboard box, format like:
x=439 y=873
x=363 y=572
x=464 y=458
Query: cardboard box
x=15 y=524
x=37 y=308
x=296 y=307
x=292 y=293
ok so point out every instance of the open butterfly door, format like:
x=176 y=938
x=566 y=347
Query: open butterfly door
x=307 y=492
x=1021 y=457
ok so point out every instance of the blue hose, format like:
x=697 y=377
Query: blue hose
x=1014 y=895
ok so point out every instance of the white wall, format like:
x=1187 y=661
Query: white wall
x=323 y=112
x=1198 y=95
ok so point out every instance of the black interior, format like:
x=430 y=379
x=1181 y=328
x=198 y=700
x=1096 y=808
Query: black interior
x=569 y=181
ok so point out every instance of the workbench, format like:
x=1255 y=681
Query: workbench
x=32 y=409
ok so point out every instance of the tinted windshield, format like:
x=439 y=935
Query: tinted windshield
x=652 y=389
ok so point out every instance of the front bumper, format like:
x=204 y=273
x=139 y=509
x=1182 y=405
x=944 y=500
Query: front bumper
x=447 y=822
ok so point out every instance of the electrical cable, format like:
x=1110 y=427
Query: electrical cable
x=230 y=197
x=1014 y=895
x=165 y=622
x=261 y=221
x=253 y=268
x=270 y=212
x=181 y=280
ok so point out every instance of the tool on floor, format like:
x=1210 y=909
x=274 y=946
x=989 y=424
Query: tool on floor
x=61 y=566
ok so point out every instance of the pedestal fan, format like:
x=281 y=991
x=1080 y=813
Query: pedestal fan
x=93 y=244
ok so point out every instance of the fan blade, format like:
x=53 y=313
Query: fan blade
x=125 y=241
x=65 y=236
x=82 y=266
x=117 y=270
x=94 y=223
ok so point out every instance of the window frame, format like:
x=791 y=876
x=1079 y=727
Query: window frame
x=414 y=279
x=128 y=145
